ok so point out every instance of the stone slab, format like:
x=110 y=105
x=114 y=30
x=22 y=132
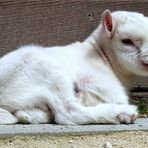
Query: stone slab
x=52 y=129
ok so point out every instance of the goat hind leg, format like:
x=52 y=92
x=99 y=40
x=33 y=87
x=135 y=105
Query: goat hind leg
x=6 y=117
x=33 y=116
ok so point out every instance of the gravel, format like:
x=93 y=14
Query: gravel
x=137 y=139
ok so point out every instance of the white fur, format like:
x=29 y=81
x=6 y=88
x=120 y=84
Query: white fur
x=36 y=82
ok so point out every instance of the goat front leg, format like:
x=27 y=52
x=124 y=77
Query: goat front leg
x=103 y=113
x=91 y=89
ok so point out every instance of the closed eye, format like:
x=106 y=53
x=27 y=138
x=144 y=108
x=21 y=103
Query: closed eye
x=127 y=42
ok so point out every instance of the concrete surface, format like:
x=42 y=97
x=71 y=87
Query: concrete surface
x=51 y=129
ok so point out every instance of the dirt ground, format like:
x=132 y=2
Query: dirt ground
x=118 y=140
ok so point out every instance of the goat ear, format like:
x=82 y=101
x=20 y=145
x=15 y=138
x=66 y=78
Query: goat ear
x=107 y=23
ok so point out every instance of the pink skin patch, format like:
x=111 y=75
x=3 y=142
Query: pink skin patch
x=84 y=83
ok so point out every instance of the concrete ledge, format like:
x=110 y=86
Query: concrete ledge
x=51 y=129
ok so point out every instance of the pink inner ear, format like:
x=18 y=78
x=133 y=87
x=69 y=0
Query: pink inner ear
x=108 y=21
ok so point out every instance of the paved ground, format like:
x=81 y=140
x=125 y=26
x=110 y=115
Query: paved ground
x=12 y=130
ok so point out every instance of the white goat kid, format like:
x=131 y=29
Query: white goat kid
x=80 y=83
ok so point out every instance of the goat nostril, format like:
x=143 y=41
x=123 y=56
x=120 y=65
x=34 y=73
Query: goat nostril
x=145 y=63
